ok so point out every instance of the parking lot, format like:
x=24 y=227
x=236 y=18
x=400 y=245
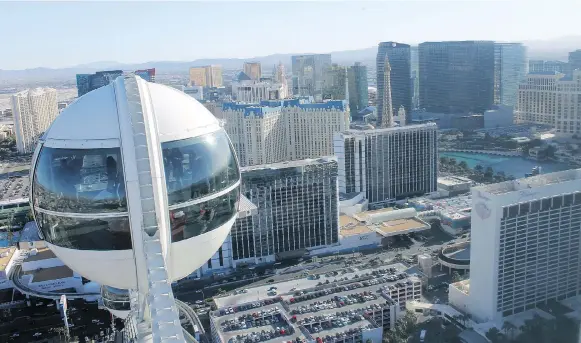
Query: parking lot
x=402 y=249
x=15 y=187
x=43 y=321
x=15 y=164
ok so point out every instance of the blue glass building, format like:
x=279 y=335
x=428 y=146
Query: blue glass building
x=357 y=85
x=400 y=61
x=308 y=73
x=510 y=69
x=457 y=77
x=90 y=82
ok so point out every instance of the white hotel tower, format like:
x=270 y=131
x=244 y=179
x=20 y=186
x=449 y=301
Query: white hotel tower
x=33 y=110
x=525 y=244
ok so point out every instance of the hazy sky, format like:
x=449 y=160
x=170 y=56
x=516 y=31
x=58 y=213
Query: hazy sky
x=64 y=34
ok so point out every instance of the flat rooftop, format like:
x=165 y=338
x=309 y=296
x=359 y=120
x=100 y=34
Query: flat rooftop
x=42 y=254
x=350 y=226
x=372 y=212
x=299 y=304
x=261 y=292
x=226 y=336
x=457 y=207
x=53 y=273
x=453 y=180
x=531 y=182
x=292 y=164
x=463 y=286
x=362 y=324
x=402 y=225
x=5 y=256
x=380 y=300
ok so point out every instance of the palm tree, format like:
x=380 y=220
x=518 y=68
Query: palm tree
x=452 y=162
x=456 y=277
x=508 y=328
x=478 y=168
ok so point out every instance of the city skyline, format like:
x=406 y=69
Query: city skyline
x=131 y=41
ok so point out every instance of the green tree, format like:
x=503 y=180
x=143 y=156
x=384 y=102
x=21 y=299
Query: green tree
x=478 y=168
x=452 y=162
x=508 y=328
x=456 y=276
x=488 y=173
x=444 y=160
x=463 y=165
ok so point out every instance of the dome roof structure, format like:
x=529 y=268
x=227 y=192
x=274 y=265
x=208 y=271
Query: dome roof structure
x=128 y=163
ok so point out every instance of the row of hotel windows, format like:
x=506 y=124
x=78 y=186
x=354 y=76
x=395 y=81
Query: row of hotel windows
x=541 y=205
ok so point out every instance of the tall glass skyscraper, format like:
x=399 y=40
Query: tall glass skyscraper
x=308 y=73
x=457 y=77
x=358 y=96
x=335 y=83
x=415 y=77
x=510 y=69
x=575 y=60
x=90 y=82
x=400 y=59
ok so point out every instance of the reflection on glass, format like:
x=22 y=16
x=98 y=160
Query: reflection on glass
x=117 y=305
x=115 y=298
x=194 y=220
x=199 y=166
x=114 y=294
x=85 y=234
x=79 y=180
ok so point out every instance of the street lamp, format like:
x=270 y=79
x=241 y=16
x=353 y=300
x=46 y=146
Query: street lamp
x=201 y=291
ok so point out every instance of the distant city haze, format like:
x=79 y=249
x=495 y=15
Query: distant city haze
x=66 y=34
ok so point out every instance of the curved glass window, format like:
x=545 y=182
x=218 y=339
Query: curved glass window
x=79 y=180
x=117 y=305
x=194 y=220
x=199 y=166
x=114 y=294
x=85 y=234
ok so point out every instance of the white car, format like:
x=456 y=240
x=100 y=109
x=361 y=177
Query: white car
x=38 y=334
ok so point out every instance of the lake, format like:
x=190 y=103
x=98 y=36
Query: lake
x=515 y=166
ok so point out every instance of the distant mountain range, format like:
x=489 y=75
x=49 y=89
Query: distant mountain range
x=554 y=49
